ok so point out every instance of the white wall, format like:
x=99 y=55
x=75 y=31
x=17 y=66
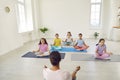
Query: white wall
x=61 y=16
x=36 y=20
x=10 y=39
x=105 y=17
x=113 y=20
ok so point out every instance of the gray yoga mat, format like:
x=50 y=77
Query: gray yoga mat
x=32 y=55
x=90 y=57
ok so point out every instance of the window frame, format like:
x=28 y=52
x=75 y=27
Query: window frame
x=100 y=15
x=26 y=26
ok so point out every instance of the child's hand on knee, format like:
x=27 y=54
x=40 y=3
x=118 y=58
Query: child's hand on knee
x=110 y=53
x=33 y=51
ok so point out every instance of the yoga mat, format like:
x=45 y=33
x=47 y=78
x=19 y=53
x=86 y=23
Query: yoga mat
x=68 y=49
x=32 y=55
x=90 y=57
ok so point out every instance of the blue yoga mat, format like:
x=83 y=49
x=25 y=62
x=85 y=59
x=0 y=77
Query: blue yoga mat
x=32 y=55
x=68 y=49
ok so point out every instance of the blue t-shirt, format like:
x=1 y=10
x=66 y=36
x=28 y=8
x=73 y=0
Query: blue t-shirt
x=80 y=42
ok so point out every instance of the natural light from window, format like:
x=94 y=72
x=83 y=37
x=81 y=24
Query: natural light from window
x=24 y=11
x=95 y=13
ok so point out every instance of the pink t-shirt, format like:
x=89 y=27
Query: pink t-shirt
x=43 y=47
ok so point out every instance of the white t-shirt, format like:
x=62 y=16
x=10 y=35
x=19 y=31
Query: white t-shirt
x=69 y=39
x=56 y=75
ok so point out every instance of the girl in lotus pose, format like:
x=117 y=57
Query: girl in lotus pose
x=80 y=44
x=57 y=42
x=100 y=51
x=43 y=48
x=69 y=40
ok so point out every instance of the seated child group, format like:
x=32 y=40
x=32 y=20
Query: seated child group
x=79 y=44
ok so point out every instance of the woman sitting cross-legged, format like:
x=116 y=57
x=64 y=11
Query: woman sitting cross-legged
x=55 y=73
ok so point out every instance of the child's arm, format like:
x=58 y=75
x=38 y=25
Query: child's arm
x=37 y=50
x=76 y=44
x=84 y=43
x=65 y=40
x=105 y=50
x=96 y=51
x=60 y=41
x=48 y=49
x=72 y=39
x=54 y=42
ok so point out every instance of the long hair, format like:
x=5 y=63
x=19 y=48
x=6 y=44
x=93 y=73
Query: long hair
x=56 y=34
x=69 y=33
x=44 y=40
x=100 y=41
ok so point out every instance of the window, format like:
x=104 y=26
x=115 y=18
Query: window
x=24 y=10
x=95 y=13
